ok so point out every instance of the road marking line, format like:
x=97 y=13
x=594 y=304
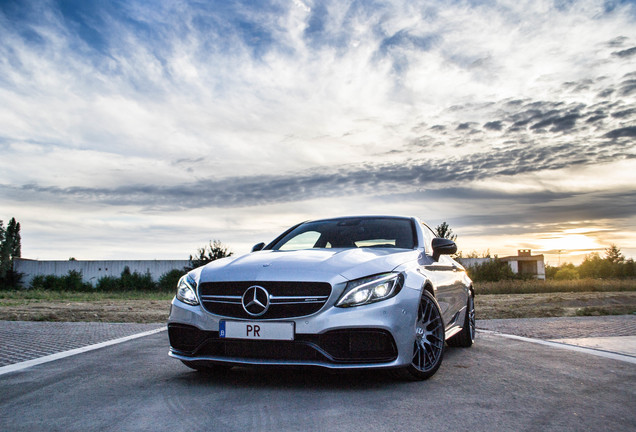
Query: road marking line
x=49 y=358
x=592 y=351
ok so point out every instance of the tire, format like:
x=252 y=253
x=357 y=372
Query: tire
x=206 y=367
x=466 y=337
x=428 y=344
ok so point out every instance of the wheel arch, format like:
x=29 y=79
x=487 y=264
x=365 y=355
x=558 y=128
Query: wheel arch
x=428 y=286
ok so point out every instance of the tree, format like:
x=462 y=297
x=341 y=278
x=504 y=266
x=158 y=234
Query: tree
x=613 y=264
x=593 y=266
x=613 y=254
x=566 y=272
x=444 y=231
x=10 y=248
x=214 y=251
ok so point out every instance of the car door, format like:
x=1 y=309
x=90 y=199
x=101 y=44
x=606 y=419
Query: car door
x=445 y=277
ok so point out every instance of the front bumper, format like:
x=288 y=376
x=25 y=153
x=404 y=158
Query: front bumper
x=378 y=335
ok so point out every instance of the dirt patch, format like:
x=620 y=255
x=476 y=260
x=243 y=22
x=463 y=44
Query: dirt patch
x=543 y=305
x=488 y=306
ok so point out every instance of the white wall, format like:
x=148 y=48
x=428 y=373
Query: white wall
x=472 y=262
x=514 y=266
x=93 y=270
x=541 y=270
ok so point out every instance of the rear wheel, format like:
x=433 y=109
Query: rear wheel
x=428 y=344
x=466 y=337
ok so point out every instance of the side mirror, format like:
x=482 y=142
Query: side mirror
x=258 y=247
x=442 y=246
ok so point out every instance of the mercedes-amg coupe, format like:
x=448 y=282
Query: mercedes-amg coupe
x=342 y=293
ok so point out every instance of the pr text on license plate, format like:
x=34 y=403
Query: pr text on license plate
x=256 y=330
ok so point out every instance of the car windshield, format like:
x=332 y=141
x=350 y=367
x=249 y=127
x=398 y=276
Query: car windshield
x=350 y=233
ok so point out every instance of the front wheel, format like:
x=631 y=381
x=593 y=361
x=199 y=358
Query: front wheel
x=428 y=343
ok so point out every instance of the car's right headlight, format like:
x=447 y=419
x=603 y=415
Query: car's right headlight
x=187 y=290
x=371 y=289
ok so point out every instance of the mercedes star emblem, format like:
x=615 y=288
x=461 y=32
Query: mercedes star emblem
x=255 y=300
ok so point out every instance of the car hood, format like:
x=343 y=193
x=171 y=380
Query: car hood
x=328 y=265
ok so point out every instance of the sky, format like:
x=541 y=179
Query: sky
x=143 y=130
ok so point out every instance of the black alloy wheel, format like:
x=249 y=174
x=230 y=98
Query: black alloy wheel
x=428 y=345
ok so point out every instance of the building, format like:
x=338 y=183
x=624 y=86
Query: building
x=524 y=263
x=92 y=271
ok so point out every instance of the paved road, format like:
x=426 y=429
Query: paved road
x=500 y=384
x=27 y=340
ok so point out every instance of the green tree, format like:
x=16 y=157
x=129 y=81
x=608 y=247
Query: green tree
x=169 y=280
x=211 y=252
x=628 y=266
x=593 y=266
x=491 y=271
x=613 y=254
x=613 y=264
x=10 y=248
x=444 y=231
x=566 y=272
x=550 y=271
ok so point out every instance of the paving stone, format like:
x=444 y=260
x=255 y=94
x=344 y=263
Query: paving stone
x=564 y=327
x=25 y=340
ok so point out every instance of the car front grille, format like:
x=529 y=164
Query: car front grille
x=286 y=299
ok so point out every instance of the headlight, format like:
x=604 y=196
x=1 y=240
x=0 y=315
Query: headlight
x=187 y=290
x=371 y=289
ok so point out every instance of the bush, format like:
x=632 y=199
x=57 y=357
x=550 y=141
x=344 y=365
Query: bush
x=108 y=283
x=11 y=280
x=127 y=282
x=566 y=273
x=72 y=281
x=168 y=281
x=491 y=271
x=136 y=281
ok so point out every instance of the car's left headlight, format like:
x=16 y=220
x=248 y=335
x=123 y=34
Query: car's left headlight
x=187 y=290
x=371 y=289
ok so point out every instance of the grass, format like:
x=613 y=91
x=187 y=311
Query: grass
x=501 y=287
x=507 y=299
x=12 y=297
x=554 y=286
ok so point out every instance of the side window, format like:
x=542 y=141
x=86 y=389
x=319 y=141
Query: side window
x=429 y=235
x=306 y=240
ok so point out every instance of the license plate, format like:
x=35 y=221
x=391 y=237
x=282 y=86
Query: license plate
x=256 y=330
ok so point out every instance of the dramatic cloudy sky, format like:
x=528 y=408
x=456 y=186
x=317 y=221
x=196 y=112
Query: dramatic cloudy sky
x=137 y=129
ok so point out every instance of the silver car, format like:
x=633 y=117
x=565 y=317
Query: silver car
x=342 y=293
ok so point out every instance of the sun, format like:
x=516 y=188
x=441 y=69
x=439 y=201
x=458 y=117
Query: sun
x=570 y=245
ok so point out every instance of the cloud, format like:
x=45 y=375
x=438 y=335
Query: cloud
x=625 y=53
x=418 y=174
x=208 y=105
x=622 y=132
